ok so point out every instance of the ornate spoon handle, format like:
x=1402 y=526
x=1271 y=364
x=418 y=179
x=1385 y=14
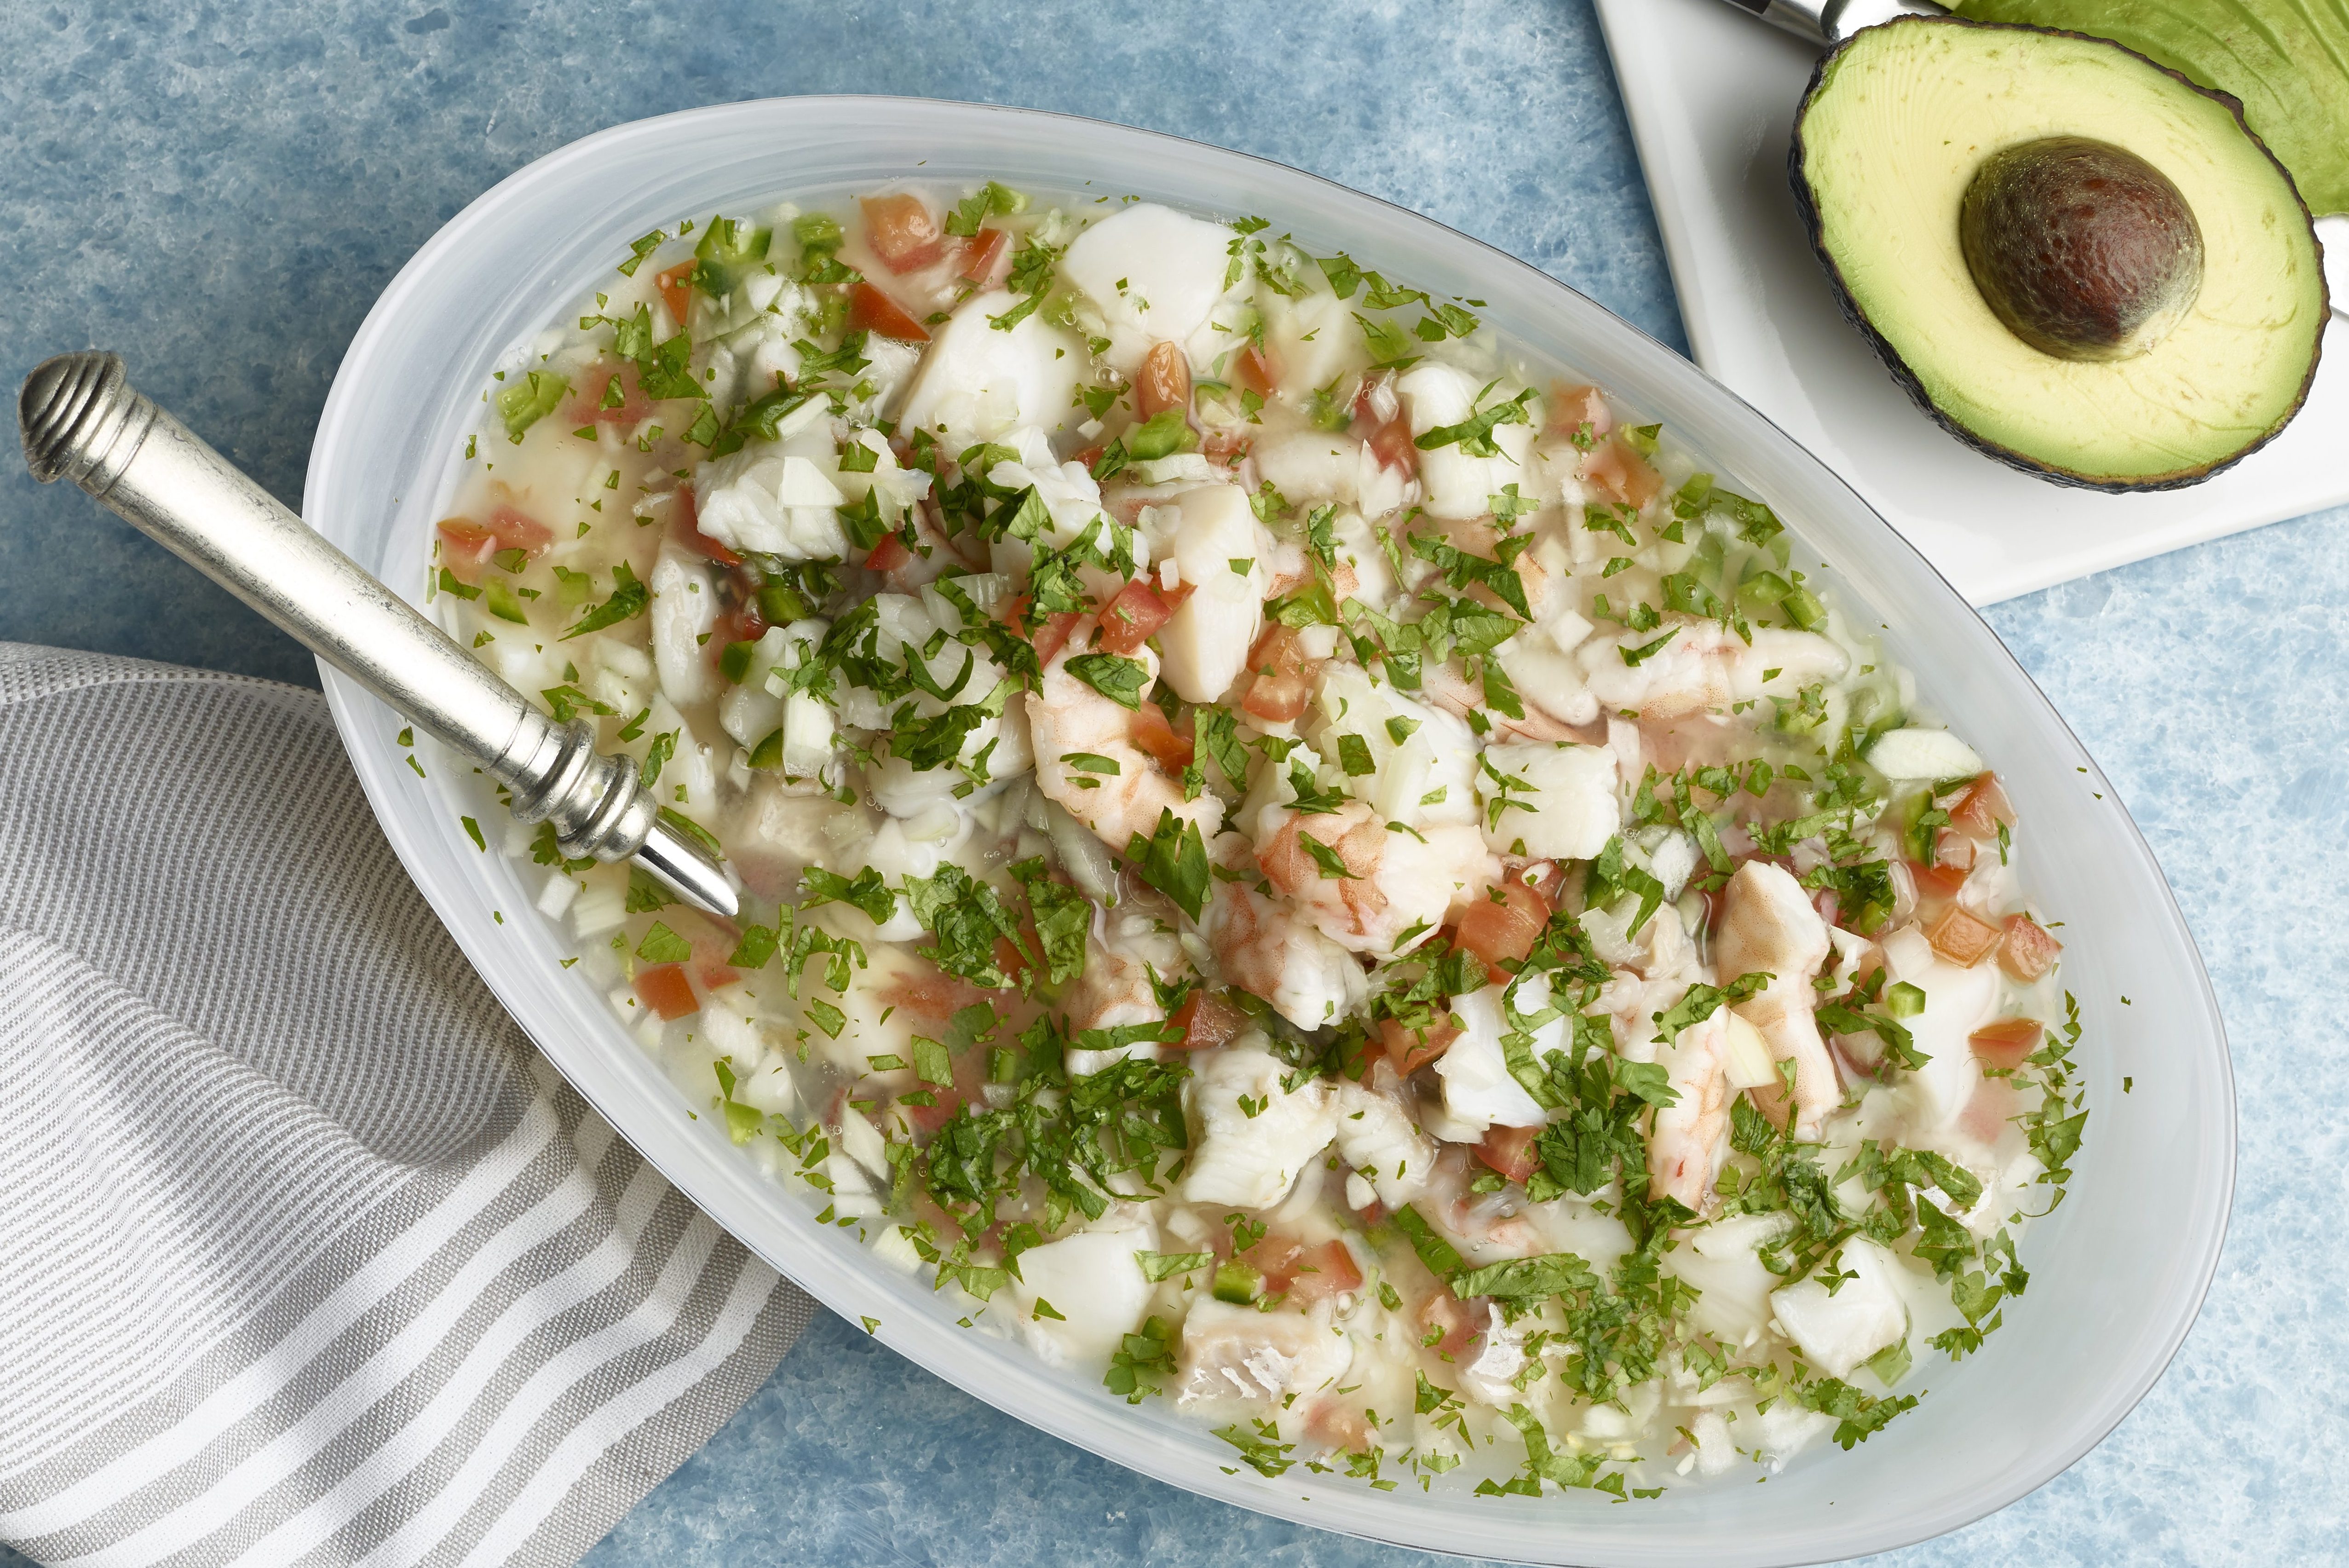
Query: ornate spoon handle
x=1832 y=21
x=83 y=421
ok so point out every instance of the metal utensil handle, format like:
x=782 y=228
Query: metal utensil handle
x=1826 y=22
x=83 y=421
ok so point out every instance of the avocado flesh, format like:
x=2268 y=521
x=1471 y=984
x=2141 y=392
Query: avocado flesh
x=2287 y=60
x=1897 y=122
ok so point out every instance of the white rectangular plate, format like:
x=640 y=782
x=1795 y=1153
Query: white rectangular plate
x=1712 y=95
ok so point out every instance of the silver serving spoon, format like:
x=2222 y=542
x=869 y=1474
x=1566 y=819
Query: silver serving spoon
x=83 y=421
x=1827 y=22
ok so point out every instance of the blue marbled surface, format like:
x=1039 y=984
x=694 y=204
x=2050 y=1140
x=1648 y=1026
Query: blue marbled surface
x=221 y=192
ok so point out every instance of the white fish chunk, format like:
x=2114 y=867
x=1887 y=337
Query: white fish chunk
x=1864 y=1316
x=684 y=608
x=1092 y=1280
x=1568 y=808
x=1457 y=484
x=1239 y=1353
x=980 y=383
x=1155 y=274
x=1252 y=1161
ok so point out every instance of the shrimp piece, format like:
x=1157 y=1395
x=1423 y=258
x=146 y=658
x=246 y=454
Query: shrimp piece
x=1267 y=950
x=1705 y=668
x=1768 y=924
x=1068 y=717
x=1689 y=1138
x=1390 y=881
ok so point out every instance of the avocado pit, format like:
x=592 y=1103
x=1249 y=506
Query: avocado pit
x=2085 y=250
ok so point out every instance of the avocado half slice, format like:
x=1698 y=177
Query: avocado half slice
x=2073 y=259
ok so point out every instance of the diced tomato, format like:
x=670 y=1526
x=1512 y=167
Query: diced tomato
x=2007 y=1041
x=1409 y=1050
x=1137 y=612
x=675 y=291
x=466 y=545
x=1571 y=408
x=1284 y=676
x=929 y=1118
x=2027 y=951
x=684 y=528
x=889 y=555
x=1981 y=808
x=1225 y=445
x=1339 y=1426
x=1623 y=473
x=901 y=231
x=1995 y=1105
x=713 y=940
x=740 y=622
x=987 y=258
x=870 y=310
x=1506 y=929
x=1392 y=445
x=665 y=988
x=587 y=403
x=1337 y=1272
x=930 y=992
x=1390 y=438
x=1151 y=731
x=1936 y=881
x=1444 y=1313
x=520 y=531
x=1962 y=937
x=1205 y=1021
x=1510 y=1151
x=1049 y=638
x=1307 y=1273
x=1253 y=369
x=1163 y=382
x=1053 y=635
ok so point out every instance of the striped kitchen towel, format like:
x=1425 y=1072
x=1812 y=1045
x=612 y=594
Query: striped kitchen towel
x=306 y=1255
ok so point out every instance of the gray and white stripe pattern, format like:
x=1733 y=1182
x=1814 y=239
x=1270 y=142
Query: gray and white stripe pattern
x=306 y=1255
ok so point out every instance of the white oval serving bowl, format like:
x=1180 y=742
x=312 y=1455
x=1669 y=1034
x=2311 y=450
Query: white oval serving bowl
x=2117 y=1272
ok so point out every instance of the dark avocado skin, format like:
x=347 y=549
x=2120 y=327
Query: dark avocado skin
x=1807 y=205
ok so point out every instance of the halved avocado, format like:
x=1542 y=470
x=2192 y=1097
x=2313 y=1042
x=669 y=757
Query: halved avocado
x=2073 y=258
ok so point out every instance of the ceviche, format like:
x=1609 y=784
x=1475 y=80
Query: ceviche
x=1296 y=863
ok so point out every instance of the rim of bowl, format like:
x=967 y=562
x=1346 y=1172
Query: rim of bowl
x=740 y=1200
